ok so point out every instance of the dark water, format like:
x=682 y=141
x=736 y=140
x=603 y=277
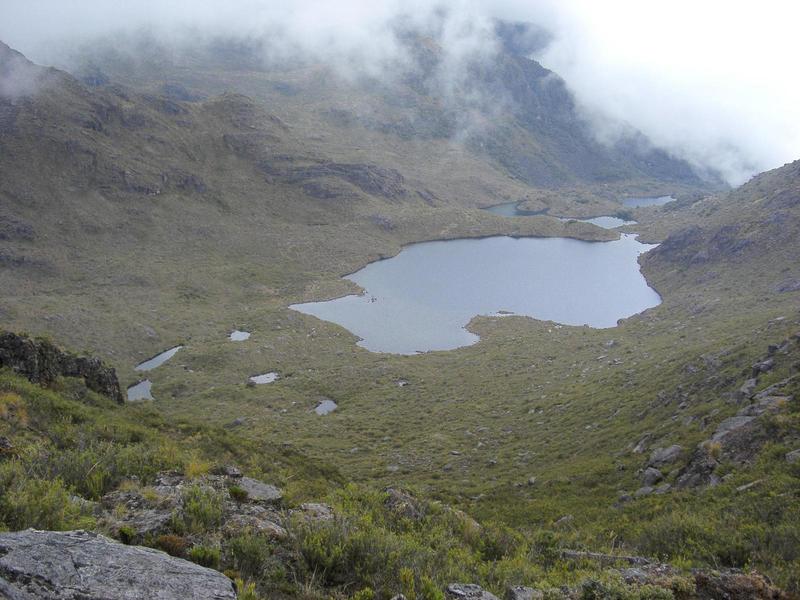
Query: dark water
x=157 y=360
x=604 y=222
x=140 y=391
x=638 y=202
x=421 y=299
x=509 y=209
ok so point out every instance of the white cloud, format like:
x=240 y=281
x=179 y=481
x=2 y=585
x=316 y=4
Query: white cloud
x=713 y=82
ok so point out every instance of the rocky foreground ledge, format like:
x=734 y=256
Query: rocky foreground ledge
x=76 y=565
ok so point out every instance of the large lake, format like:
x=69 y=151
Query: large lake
x=421 y=299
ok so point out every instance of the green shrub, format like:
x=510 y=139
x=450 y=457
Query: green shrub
x=202 y=509
x=205 y=556
x=126 y=534
x=428 y=590
x=245 y=591
x=173 y=545
x=364 y=594
x=238 y=493
x=249 y=554
x=38 y=503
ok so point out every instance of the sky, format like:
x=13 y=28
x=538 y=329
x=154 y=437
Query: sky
x=713 y=82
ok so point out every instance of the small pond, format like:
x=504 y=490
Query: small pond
x=326 y=407
x=510 y=209
x=422 y=299
x=270 y=377
x=140 y=391
x=157 y=360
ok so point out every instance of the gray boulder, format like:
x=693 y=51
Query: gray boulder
x=651 y=476
x=730 y=425
x=793 y=456
x=76 y=565
x=700 y=470
x=519 y=592
x=468 y=591
x=260 y=492
x=664 y=456
x=747 y=389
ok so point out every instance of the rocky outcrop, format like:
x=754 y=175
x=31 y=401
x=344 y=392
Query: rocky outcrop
x=404 y=504
x=519 y=592
x=75 y=565
x=371 y=179
x=467 y=591
x=736 y=585
x=244 y=504
x=661 y=457
x=260 y=492
x=42 y=362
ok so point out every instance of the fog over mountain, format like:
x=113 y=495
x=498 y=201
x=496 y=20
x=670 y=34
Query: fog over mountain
x=712 y=84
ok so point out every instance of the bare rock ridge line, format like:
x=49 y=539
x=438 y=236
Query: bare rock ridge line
x=42 y=362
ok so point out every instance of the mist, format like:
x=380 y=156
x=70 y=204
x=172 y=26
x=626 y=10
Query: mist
x=712 y=83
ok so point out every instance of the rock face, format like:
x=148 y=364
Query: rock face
x=664 y=456
x=260 y=492
x=42 y=362
x=523 y=593
x=148 y=513
x=74 y=565
x=651 y=476
x=468 y=591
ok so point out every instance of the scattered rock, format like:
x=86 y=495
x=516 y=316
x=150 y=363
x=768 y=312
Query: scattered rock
x=651 y=476
x=736 y=585
x=789 y=285
x=641 y=446
x=730 y=425
x=643 y=491
x=565 y=520
x=700 y=470
x=747 y=486
x=662 y=489
x=254 y=523
x=260 y=492
x=793 y=456
x=317 y=511
x=231 y=471
x=519 y=592
x=404 y=504
x=468 y=591
x=747 y=389
x=5 y=445
x=531 y=480
x=73 y=565
x=664 y=456
x=764 y=366
x=624 y=498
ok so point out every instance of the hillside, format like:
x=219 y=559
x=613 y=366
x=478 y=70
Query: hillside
x=163 y=202
x=72 y=458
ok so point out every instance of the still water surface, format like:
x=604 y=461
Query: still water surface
x=422 y=299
